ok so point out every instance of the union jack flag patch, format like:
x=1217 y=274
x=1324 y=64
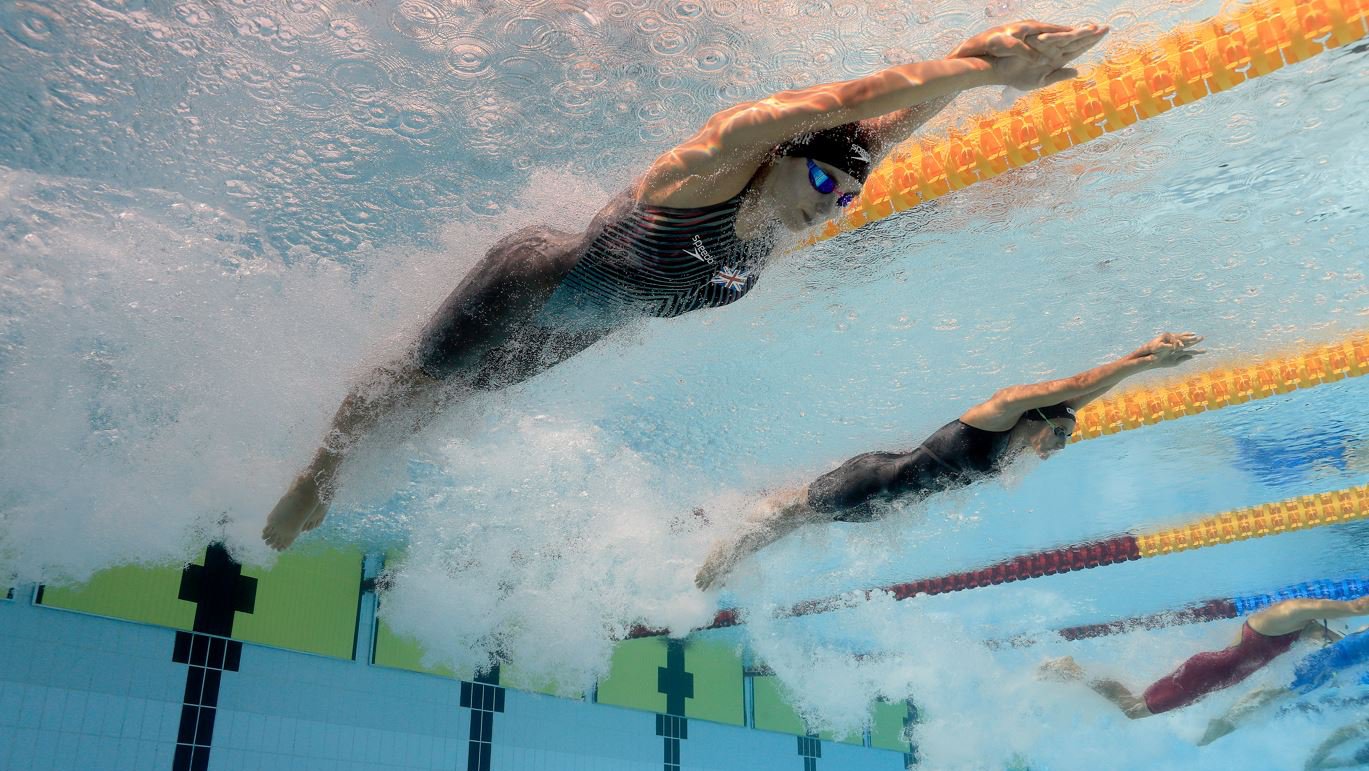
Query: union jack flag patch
x=730 y=278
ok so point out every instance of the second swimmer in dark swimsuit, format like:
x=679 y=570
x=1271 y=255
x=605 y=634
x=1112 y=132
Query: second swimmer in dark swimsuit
x=691 y=233
x=978 y=444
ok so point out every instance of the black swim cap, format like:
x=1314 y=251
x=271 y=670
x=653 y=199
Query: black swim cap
x=1054 y=412
x=846 y=147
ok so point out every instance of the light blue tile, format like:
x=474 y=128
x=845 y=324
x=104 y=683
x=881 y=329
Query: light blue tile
x=22 y=747
x=147 y=754
x=126 y=754
x=224 y=758
x=11 y=703
x=97 y=705
x=93 y=751
x=164 y=721
x=112 y=715
x=45 y=751
x=53 y=709
x=256 y=732
x=73 y=711
x=66 y=751
x=134 y=711
x=112 y=678
x=270 y=736
x=236 y=735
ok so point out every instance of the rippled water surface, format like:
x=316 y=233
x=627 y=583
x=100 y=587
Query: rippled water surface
x=214 y=216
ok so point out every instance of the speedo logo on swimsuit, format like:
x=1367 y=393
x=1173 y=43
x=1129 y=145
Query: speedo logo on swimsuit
x=702 y=254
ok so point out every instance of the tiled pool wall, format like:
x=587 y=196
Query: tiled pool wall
x=88 y=681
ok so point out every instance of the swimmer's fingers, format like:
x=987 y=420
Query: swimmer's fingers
x=1068 y=44
x=1056 y=76
x=1029 y=27
x=1002 y=45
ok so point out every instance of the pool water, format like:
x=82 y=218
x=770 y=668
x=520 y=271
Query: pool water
x=213 y=217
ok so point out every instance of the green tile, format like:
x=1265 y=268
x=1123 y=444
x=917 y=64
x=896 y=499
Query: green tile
x=632 y=678
x=886 y=725
x=774 y=712
x=856 y=737
x=511 y=676
x=402 y=652
x=132 y=592
x=308 y=601
x=718 y=683
x=772 y=709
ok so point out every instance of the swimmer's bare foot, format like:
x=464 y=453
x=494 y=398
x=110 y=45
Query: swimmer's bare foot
x=1064 y=670
x=300 y=509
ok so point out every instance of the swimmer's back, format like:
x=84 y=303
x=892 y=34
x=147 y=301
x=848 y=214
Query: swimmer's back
x=955 y=455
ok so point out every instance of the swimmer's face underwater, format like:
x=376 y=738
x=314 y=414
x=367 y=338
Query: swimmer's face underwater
x=794 y=187
x=1044 y=437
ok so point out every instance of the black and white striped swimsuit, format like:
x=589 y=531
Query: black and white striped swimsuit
x=645 y=260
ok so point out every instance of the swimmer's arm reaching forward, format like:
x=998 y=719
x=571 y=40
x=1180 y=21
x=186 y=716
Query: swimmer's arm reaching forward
x=1007 y=405
x=891 y=103
x=781 y=514
x=1056 y=47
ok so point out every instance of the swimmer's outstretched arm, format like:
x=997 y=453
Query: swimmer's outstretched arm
x=1002 y=410
x=1057 y=47
x=733 y=143
x=1294 y=615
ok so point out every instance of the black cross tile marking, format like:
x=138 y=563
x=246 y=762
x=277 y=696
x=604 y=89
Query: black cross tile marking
x=810 y=748
x=483 y=697
x=677 y=684
x=219 y=590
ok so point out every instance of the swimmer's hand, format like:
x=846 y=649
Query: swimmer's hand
x=1031 y=54
x=1170 y=349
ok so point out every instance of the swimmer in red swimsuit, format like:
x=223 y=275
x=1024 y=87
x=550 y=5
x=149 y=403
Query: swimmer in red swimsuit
x=1265 y=635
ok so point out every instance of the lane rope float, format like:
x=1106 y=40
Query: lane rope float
x=1300 y=513
x=1134 y=83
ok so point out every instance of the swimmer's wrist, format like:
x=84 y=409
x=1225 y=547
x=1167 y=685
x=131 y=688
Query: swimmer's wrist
x=978 y=72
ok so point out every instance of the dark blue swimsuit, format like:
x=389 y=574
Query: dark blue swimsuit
x=955 y=456
x=541 y=295
x=645 y=260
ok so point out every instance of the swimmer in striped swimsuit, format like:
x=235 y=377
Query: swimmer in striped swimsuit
x=693 y=232
x=1038 y=417
x=1265 y=635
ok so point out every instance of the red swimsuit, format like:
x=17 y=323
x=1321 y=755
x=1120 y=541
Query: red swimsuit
x=1214 y=670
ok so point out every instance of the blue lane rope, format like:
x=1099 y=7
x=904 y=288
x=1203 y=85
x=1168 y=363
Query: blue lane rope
x=1324 y=589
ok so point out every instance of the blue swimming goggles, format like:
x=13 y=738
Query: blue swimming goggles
x=823 y=183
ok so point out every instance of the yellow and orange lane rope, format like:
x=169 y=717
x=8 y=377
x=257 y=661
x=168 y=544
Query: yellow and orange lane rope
x=1132 y=84
x=1222 y=387
x=1302 y=513
x=1258 y=521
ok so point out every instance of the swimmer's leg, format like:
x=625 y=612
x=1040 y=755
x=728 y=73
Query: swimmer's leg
x=776 y=516
x=842 y=495
x=1321 y=756
x=1240 y=712
x=465 y=343
x=1067 y=669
